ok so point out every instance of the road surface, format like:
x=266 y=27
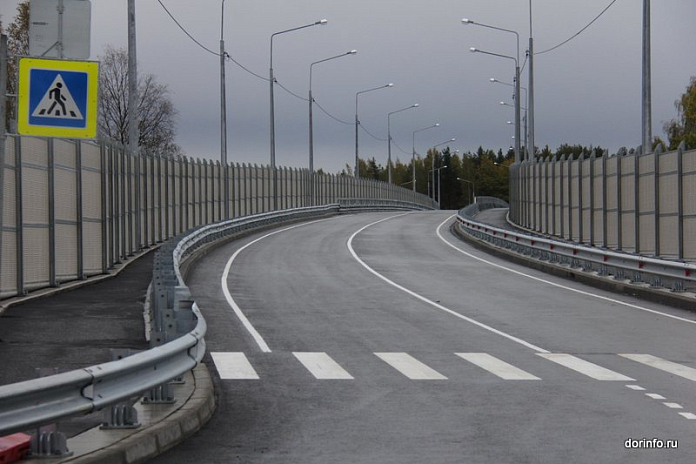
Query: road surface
x=382 y=338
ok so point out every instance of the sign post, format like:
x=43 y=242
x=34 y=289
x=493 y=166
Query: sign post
x=57 y=98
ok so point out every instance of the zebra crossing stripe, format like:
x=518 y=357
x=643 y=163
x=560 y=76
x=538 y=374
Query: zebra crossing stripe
x=234 y=366
x=410 y=366
x=663 y=365
x=585 y=367
x=322 y=366
x=496 y=366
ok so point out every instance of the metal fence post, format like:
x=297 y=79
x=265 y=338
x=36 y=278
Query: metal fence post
x=104 y=206
x=592 y=199
x=619 y=210
x=562 y=197
x=605 y=237
x=51 y=190
x=636 y=200
x=656 y=174
x=570 y=197
x=3 y=136
x=581 y=222
x=19 y=217
x=78 y=210
x=680 y=200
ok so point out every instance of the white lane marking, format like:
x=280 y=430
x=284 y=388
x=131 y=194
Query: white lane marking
x=581 y=292
x=688 y=415
x=655 y=396
x=228 y=296
x=673 y=405
x=663 y=365
x=496 y=366
x=410 y=366
x=585 y=367
x=234 y=366
x=635 y=387
x=322 y=366
x=426 y=300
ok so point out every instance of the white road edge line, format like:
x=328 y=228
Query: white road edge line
x=581 y=292
x=228 y=296
x=426 y=300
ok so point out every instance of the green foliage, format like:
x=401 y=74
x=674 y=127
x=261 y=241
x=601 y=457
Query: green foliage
x=683 y=129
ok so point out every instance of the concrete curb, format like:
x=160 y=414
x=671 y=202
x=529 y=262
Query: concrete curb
x=163 y=427
x=685 y=300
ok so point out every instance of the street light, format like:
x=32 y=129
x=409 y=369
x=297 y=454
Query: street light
x=357 y=123
x=415 y=105
x=223 y=120
x=524 y=118
x=272 y=82
x=432 y=161
x=311 y=101
x=473 y=187
x=438 y=182
x=517 y=93
x=311 y=122
x=413 y=156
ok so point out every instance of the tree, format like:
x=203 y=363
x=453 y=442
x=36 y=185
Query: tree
x=18 y=45
x=157 y=112
x=683 y=129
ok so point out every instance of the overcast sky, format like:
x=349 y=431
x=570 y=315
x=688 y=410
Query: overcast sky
x=587 y=92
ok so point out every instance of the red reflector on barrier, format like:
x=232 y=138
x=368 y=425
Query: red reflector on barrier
x=14 y=447
x=641 y=265
x=605 y=258
x=687 y=272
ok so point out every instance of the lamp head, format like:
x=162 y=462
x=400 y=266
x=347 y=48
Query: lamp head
x=473 y=49
x=321 y=22
x=467 y=21
x=389 y=85
x=493 y=79
x=415 y=105
x=437 y=124
x=352 y=52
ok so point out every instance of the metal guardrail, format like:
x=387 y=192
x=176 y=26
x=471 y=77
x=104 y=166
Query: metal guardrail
x=357 y=204
x=173 y=352
x=622 y=266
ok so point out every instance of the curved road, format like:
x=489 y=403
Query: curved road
x=382 y=338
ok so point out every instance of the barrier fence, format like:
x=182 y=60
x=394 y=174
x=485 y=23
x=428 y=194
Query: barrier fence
x=73 y=209
x=642 y=204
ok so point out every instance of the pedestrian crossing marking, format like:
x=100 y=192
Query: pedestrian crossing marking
x=410 y=366
x=585 y=367
x=58 y=102
x=234 y=366
x=496 y=366
x=322 y=366
x=663 y=365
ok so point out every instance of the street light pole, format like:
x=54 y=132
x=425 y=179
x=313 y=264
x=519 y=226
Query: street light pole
x=517 y=98
x=530 y=105
x=647 y=85
x=223 y=119
x=524 y=118
x=413 y=154
x=389 y=172
x=272 y=112
x=357 y=123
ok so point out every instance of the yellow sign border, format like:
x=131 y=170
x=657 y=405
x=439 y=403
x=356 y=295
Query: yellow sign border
x=26 y=65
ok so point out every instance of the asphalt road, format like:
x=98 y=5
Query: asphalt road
x=382 y=338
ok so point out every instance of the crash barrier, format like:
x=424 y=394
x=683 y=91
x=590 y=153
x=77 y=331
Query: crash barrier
x=177 y=344
x=74 y=209
x=628 y=202
x=678 y=276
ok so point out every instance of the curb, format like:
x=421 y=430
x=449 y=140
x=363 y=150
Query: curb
x=684 y=300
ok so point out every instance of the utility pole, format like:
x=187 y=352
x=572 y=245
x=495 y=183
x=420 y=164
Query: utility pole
x=133 y=117
x=647 y=85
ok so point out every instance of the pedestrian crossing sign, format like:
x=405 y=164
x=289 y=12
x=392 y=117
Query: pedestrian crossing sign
x=58 y=98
